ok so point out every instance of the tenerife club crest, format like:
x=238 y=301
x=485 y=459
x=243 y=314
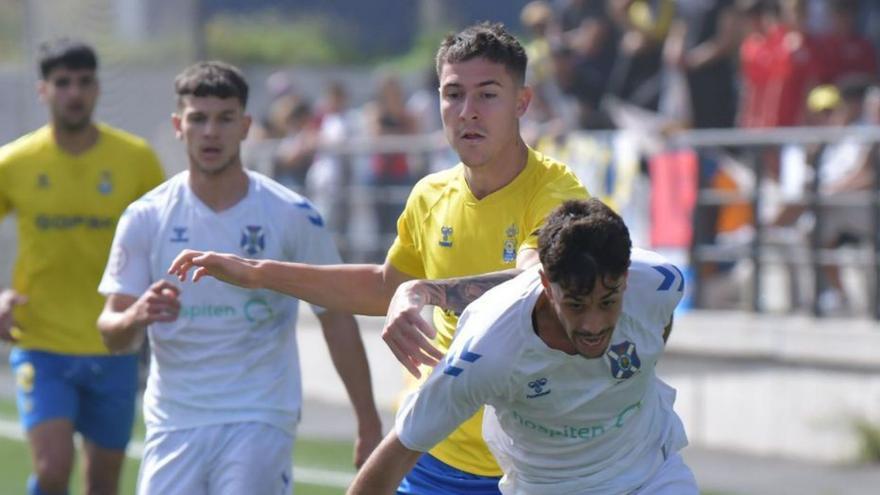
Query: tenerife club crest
x=624 y=360
x=253 y=240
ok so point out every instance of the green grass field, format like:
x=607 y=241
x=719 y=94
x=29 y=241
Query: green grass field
x=312 y=459
x=320 y=462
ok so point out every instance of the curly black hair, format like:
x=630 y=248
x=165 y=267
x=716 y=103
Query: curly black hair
x=582 y=242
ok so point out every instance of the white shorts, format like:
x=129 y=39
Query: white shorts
x=672 y=478
x=235 y=458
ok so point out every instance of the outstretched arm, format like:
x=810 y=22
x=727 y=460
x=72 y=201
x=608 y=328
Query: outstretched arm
x=385 y=468
x=407 y=333
x=350 y=360
x=357 y=289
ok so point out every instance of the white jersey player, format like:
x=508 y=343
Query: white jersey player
x=223 y=396
x=565 y=355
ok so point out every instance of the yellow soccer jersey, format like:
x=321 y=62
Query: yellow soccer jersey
x=446 y=232
x=67 y=207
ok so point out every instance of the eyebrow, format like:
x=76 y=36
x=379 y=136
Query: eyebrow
x=482 y=84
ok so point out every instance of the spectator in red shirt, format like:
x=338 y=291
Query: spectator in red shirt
x=796 y=66
x=755 y=60
x=846 y=51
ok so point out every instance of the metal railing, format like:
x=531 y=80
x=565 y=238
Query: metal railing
x=754 y=145
x=751 y=145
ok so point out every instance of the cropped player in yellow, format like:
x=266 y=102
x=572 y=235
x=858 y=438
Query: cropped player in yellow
x=480 y=216
x=67 y=183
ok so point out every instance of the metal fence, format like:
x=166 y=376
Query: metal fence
x=362 y=240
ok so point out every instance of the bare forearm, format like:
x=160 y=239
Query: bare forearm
x=454 y=294
x=356 y=289
x=118 y=331
x=386 y=467
x=350 y=360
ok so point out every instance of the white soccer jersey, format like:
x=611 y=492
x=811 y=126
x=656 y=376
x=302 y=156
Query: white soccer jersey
x=231 y=355
x=562 y=424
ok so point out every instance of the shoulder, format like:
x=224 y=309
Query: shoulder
x=160 y=197
x=435 y=183
x=431 y=188
x=118 y=137
x=281 y=199
x=25 y=146
x=555 y=176
x=499 y=319
x=654 y=287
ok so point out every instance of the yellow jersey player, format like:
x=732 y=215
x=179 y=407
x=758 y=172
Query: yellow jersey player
x=68 y=182
x=481 y=216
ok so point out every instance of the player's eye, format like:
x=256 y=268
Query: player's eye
x=575 y=306
x=61 y=82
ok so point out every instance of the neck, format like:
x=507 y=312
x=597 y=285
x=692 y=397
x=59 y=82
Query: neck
x=549 y=328
x=219 y=191
x=499 y=171
x=75 y=141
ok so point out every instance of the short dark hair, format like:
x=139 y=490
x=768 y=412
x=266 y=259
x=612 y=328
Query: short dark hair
x=211 y=79
x=67 y=53
x=490 y=41
x=582 y=242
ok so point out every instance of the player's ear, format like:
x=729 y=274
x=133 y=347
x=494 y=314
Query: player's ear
x=42 y=88
x=523 y=98
x=247 y=120
x=545 y=282
x=176 y=120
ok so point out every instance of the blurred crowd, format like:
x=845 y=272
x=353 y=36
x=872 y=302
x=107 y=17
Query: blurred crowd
x=605 y=65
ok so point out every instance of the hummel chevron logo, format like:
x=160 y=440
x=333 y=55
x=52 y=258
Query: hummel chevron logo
x=467 y=356
x=669 y=277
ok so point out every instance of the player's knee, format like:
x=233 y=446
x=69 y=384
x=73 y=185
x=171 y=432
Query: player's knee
x=51 y=479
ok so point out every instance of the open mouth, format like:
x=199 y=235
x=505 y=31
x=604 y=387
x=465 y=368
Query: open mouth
x=472 y=136
x=210 y=151
x=590 y=339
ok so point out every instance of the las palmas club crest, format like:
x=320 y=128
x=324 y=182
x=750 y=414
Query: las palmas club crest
x=623 y=359
x=253 y=240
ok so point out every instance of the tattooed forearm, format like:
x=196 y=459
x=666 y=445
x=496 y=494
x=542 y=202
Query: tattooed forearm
x=455 y=294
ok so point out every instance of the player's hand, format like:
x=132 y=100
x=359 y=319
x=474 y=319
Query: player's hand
x=225 y=267
x=367 y=440
x=407 y=333
x=9 y=299
x=159 y=303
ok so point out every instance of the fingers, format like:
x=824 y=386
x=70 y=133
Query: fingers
x=411 y=365
x=410 y=346
x=427 y=332
x=184 y=261
x=6 y=335
x=166 y=288
x=199 y=273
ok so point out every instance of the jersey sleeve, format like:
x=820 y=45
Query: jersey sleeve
x=404 y=253
x=128 y=266
x=562 y=187
x=307 y=239
x=475 y=372
x=654 y=287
